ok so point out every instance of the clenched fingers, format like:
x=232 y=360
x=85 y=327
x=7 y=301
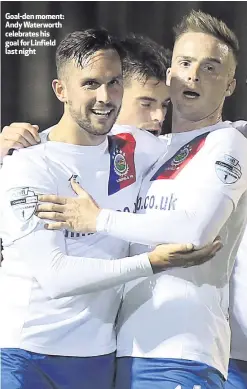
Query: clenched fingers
x=18 y=140
x=11 y=144
x=27 y=129
x=24 y=133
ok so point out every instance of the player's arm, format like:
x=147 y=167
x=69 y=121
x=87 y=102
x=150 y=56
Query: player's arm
x=18 y=136
x=208 y=195
x=44 y=252
x=65 y=275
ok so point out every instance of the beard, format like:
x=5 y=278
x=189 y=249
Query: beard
x=85 y=123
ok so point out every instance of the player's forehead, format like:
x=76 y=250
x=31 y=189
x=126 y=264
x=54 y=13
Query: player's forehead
x=200 y=46
x=152 y=88
x=101 y=64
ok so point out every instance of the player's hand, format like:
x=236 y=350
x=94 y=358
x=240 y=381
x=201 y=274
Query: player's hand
x=18 y=136
x=167 y=256
x=154 y=127
x=74 y=213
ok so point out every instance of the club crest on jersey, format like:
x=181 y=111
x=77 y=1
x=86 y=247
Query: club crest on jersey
x=23 y=202
x=122 y=165
x=228 y=169
x=171 y=168
x=182 y=155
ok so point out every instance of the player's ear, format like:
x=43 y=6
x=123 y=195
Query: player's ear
x=231 y=88
x=60 y=90
x=168 y=77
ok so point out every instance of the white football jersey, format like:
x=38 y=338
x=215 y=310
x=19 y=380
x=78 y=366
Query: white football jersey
x=238 y=303
x=193 y=193
x=56 y=297
x=238 y=290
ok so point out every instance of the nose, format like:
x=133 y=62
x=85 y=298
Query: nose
x=159 y=115
x=103 y=94
x=193 y=74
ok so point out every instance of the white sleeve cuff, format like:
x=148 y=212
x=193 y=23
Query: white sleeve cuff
x=135 y=267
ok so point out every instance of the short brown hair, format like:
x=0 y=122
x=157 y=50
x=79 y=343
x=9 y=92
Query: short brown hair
x=198 y=21
x=80 y=45
x=144 y=58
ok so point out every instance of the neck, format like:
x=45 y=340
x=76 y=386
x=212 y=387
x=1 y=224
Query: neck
x=67 y=131
x=180 y=124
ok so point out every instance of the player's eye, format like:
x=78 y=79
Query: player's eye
x=115 y=81
x=91 y=84
x=209 y=68
x=146 y=105
x=185 y=64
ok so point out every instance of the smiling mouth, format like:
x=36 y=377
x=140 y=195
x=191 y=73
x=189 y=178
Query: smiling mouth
x=102 y=113
x=191 y=94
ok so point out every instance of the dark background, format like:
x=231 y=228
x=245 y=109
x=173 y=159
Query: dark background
x=26 y=81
